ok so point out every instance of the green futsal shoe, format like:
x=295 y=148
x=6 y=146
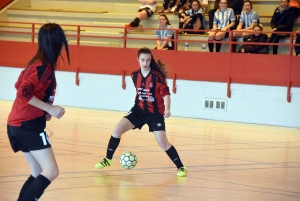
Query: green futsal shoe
x=182 y=172
x=104 y=163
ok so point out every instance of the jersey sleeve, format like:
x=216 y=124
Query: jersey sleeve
x=157 y=34
x=19 y=81
x=33 y=82
x=215 y=18
x=242 y=17
x=232 y=16
x=170 y=32
x=255 y=17
x=163 y=87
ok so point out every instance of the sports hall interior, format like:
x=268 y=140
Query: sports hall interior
x=235 y=117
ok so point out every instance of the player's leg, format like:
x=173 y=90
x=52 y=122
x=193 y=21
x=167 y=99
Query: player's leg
x=131 y=120
x=170 y=150
x=47 y=162
x=123 y=126
x=157 y=125
x=35 y=169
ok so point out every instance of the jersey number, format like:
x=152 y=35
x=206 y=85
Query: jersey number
x=45 y=138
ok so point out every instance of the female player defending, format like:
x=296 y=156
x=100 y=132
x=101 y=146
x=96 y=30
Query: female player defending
x=33 y=107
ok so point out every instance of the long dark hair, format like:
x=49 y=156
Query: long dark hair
x=51 y=39
x=157 y=65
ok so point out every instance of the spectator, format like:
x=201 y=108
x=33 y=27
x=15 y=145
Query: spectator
x=147 y=9
x=257 y=36
x=181 y=3
x=248 y=19
x=282 y=21
x=164 y=34
x=295 y=5
x=297 y=48
x=236 y=5
x=167 y=6
x=193 y=18
x=224 y=20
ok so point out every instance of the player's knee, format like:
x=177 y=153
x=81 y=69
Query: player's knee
x=164 y=144
x=118 y=132
x=36 y=171
x=51 y=174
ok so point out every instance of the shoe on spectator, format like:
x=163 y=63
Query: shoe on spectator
x=161 y=10
x=129 y=27
x=168 y=10
x=173 y=9
x=265 y=50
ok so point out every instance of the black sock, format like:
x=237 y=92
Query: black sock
x=25 y=187
x=211 y=45
x=36 y=189
x=173 y=155
x=135 y=22
x=112 y=146
x=218 y=46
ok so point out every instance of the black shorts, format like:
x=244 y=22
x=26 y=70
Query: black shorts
x=30 y=136
x=148 y=10
x=139 y=117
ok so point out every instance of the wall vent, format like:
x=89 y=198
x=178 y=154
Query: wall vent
x=214 y=104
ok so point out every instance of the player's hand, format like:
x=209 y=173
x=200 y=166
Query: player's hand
x=48 y=117
x=167 y=113
x=181 y=20
x=56 y=111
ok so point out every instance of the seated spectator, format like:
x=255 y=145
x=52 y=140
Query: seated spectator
x=236 y=5
x=147 y=9
x=295 y=5
x=297 y=48
x=282 y=21
x=248 y=19
x=164 y=34
x=224 y=20
x=192 y=19
x=257 y=36
x=167 y=6
x=181 y=3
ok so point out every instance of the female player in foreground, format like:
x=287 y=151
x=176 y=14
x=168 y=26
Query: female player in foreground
x=33 y=107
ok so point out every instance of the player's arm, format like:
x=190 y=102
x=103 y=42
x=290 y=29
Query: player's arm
x=55 y=111
x=167 y=102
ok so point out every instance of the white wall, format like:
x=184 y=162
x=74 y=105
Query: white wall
x=249 y=103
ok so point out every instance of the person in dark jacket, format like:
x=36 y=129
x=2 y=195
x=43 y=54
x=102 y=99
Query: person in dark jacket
x=297 y=48
x=258 y=37
x=236 y=5
x=282 y=21
x=192 y=18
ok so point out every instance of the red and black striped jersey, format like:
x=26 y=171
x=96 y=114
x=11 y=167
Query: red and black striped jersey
x=39 y=80
x=150 y=91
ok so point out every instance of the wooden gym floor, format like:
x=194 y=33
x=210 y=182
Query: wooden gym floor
x=226 y=161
